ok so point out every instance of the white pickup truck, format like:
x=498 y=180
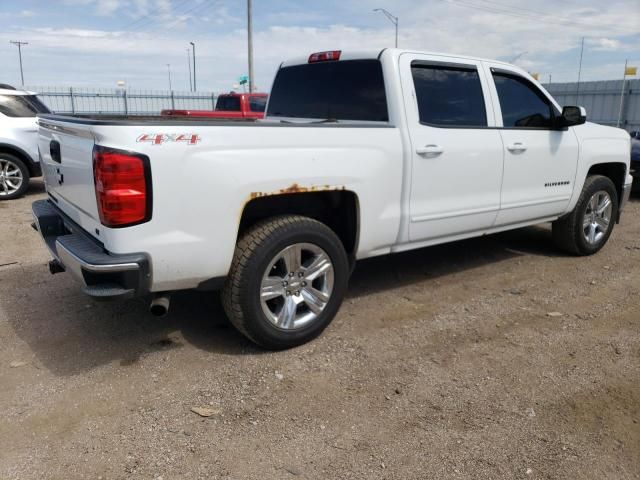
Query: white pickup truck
x=360 y=154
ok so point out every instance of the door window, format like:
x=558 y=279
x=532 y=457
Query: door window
x=21 y=106
x=523 y=105
x=449 y=96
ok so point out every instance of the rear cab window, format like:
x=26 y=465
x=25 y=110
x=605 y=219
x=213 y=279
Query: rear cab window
x=333 y=90
x=21 y=106
x=228 y=103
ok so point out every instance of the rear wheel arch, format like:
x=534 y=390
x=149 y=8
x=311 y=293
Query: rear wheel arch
x=31 y=164
x=337 y=209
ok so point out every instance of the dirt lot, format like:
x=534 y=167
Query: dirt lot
x=443 y=363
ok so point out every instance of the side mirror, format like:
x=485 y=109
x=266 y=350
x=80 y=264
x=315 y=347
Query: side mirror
x=572 y=116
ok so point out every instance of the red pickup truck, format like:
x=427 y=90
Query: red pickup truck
x=229 y=105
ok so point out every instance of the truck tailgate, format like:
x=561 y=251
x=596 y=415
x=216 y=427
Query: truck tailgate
x=67 y=166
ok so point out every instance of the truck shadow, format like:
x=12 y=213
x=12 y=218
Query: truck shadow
x=69 y=334
x=402 y=269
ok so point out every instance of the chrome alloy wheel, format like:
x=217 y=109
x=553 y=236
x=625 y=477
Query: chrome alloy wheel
x=597 y=217
x=296 y=286
x=10 y=177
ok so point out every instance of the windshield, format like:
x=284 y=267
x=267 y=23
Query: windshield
x=21 y=106
x=342 y=90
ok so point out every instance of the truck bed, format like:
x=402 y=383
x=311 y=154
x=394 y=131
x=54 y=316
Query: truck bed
x=128 y=120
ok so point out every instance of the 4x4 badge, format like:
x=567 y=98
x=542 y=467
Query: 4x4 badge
x=160 y=138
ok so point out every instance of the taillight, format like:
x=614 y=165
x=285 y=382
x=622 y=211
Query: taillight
x=325 y=56
x=123 y=187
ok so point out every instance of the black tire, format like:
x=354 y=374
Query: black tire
x=25 y=177
x=254 y=252
x=568 y=231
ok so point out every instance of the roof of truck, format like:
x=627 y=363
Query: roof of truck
x=373 y=54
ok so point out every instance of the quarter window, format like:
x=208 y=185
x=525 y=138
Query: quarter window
x=522 y=103
x=449 y=96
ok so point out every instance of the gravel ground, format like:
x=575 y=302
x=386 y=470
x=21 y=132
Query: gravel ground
x=493 y=358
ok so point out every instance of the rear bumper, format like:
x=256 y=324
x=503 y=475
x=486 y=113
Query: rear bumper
x=103 y=275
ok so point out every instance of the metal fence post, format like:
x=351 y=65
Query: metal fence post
x=126 y=106
x=73 y=107
x=173 y=102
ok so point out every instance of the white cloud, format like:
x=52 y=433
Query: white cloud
x=95 y=56
x=604 y=43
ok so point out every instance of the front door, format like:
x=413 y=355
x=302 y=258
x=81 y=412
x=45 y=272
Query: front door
x=456 y=159
x=540 y=161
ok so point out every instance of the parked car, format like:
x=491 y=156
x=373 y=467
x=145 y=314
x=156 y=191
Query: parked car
x=360 y=154
x=230 y=106
x=635 y=162
x=18 y=140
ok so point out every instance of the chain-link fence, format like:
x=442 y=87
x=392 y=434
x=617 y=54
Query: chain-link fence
x=109 y=101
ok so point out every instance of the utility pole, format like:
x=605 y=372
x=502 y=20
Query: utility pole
x=250 y=42
x=193 y=46
x=19 y=45
x=624 y=78
x=169 y=72
x=392 y=18
x=579 y=72
x=189 y=67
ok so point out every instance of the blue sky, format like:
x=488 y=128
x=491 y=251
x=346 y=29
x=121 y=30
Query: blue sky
x=98 y=42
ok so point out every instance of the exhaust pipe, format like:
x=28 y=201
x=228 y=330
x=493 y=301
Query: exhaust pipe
x=159 y=306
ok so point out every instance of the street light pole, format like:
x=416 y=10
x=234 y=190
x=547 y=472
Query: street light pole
x=189 y=67
x=169 y=72
x=579 y=72
x=19 y=45
x=392 y=18
x=193 y=46
x=250 y=42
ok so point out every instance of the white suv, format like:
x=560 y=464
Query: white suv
x=18 y=140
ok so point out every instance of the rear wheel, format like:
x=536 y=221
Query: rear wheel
x=588 y=227
x=14 y=177
x=287 y=280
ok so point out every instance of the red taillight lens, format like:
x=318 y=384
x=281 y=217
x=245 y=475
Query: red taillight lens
x=123 y=187
x=325 y=56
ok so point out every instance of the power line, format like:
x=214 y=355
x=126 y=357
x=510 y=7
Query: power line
x=149 y=20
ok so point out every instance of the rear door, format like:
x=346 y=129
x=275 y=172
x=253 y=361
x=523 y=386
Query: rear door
x=540 y=161
x=456 y=156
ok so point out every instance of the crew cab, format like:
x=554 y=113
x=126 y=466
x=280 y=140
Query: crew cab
x=360 y=154
x=18 y=140
x=230 y=105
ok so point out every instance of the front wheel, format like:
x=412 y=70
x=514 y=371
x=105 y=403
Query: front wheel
x=587 y=228
x=287 y=280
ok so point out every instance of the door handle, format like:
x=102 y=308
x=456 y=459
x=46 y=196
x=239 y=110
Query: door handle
x=517 y=147
x=431 y=150
x=54 y=150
